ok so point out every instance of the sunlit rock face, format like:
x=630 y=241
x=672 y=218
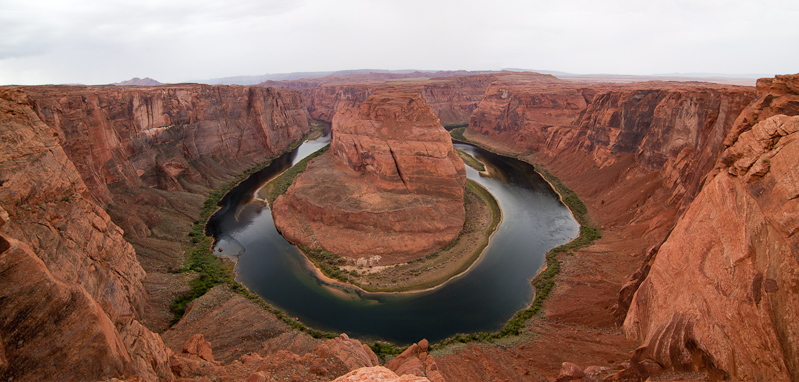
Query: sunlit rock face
x=722 y=290
x=390 y=189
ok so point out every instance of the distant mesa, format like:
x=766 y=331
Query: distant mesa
x=136 y=81
x=390 y=189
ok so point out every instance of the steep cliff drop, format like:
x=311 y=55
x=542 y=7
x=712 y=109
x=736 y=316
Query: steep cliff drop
x=71 y=289
x=390 y=190
x=722 y=291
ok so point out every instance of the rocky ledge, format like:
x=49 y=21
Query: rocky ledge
x=390 y=190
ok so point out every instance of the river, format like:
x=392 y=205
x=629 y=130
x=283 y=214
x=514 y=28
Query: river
x=482 y=299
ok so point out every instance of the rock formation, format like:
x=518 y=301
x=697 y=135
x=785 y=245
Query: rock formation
x=416 y=361
x=722 y=292
x=453 y=98
x=520 y=111
x=390 y=190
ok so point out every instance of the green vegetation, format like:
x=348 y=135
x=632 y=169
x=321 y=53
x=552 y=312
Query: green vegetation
x=328 y=263
x=457 y=134
x=386 y=350
x=454 y=126
x=471 y=161
x=280 y=184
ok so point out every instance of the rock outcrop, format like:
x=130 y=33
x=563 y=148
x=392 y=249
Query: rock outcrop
x=327 y=361
x=377 y=374
x=417 y=361
x=676 y=130
x=453 y=98
x=390 y=190
x=722 y=292
x=151 y=155
x=74 y=299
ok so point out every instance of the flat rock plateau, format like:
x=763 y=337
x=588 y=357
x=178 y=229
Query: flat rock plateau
x=693 y=186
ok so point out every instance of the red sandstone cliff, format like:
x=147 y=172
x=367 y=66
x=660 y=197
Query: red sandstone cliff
x=74 y=296
x=156 y=136
x=521 y=111
x=453 y=99
x=722 y=292
x=71 y=291
x=391 y=188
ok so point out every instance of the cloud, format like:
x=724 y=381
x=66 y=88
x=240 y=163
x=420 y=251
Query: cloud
x=101 y=41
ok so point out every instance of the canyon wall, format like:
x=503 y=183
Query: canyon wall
x=71 y=289
x=521 y=112
x=74 y=296
x=722 y=291
x=151 y=137
x=453 y=99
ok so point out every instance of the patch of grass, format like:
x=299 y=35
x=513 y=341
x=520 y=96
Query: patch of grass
x=471 y=161
x=328 y=263
x=457 y=134
x=454 y=126
x=386 y=351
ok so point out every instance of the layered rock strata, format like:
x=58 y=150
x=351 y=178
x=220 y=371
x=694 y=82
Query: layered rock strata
x=390 y=189
x=166 y=136
x=453 y=98
x=71 y=292
x=721 y=292
x=74 y=299
x=151 y=155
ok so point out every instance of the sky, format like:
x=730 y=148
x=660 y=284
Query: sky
x=105 y=41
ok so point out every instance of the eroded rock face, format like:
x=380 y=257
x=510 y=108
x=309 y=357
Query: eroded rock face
x=158 y=136
x=395 y=139
x=72 y=289
x=417 y=361
x=453 y=99
x=674 y=129
x=521 y=111
x=721 y=292
x=390 y=189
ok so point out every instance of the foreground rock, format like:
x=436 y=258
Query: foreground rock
x=390 y=189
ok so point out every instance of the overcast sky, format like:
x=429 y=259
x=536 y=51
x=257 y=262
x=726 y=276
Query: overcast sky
x=104 y=41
